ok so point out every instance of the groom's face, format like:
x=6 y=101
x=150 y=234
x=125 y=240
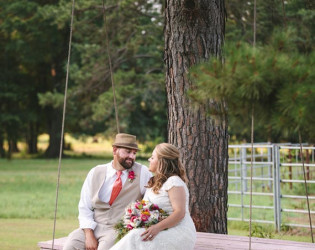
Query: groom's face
x=126 y=157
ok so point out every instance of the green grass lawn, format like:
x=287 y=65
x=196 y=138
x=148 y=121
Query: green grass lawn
x=28 y=187
x=26 y=233
x=28 y=191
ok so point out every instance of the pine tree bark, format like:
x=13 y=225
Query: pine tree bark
x=194 y=31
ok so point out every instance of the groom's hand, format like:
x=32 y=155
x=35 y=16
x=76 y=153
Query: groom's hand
x=91 y=242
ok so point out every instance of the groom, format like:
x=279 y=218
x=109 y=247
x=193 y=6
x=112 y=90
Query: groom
x=107 y=190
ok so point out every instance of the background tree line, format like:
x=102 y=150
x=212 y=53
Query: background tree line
x=34 y=41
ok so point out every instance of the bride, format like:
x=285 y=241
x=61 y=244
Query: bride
x=168 y=190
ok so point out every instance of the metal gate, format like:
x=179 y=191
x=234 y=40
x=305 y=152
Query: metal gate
x=277 y=173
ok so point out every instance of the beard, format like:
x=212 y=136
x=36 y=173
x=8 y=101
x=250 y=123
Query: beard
x=127 y=163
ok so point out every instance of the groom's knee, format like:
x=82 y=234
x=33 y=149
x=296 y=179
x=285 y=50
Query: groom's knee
x=107 y=240
x=105 y=244
x=75 y=240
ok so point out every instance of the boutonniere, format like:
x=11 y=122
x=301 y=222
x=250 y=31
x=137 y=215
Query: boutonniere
x=131 y=176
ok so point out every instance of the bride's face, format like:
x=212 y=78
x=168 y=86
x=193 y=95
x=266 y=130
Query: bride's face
x=153 y=162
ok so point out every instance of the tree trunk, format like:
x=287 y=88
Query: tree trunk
x=55 y=114
x=194 y=31
x=53 y=149
x=31 y=138
x=13 y=147
x=2 y=151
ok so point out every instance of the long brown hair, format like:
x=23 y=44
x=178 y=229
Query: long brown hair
x=168 y=165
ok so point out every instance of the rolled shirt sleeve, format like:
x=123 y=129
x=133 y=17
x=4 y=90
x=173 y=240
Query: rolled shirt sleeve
x=86 y=213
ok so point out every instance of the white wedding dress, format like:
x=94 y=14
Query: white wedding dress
x=180 y=237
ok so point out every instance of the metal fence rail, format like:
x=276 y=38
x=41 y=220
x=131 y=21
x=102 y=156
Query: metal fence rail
x=277 y=170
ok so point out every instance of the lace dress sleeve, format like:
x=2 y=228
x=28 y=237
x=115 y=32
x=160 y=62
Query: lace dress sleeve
x=173 y=181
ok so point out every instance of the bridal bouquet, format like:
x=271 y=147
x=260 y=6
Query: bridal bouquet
x=139 y=214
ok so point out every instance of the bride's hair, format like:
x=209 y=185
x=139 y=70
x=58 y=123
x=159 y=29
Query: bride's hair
x=168 y=165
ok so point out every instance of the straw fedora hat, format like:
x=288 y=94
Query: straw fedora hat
x=125 y=141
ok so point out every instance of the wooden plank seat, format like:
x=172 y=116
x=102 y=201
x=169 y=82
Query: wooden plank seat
x=58 y=244
x=219 y=241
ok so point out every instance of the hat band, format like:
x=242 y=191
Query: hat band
x=125 y=145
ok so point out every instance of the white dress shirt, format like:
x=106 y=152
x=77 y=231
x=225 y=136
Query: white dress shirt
x=86 y=214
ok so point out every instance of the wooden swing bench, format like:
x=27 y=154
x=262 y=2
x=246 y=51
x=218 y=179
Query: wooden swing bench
x=218 y=241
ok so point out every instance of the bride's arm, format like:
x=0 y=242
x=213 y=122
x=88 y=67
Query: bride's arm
x=178 y=200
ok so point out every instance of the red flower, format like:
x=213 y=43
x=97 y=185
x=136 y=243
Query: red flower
x=133 y=218
x=154 y=207
x=144 y=217
x=129 y=227
x=131 y=176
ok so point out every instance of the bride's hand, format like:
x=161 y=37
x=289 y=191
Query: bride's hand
x=150 y=233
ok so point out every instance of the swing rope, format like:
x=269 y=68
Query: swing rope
x=305 y=185
x=251 y=178
x=252 y=147
x=301 y=149
x=65 y=103
x=63 y=122
x=284 y=15
x=110 y=67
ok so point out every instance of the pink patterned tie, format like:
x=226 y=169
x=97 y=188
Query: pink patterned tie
x=116 y=188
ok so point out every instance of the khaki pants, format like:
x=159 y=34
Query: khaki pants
x=105 y=235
